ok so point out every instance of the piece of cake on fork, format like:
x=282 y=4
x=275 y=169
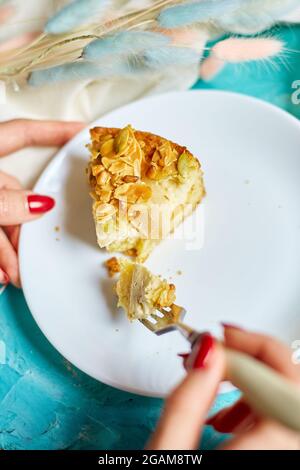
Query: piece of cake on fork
x=143 y=186
x=140 y=293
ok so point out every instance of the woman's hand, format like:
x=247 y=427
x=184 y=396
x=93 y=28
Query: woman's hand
x=186 y=409
x=18 y=205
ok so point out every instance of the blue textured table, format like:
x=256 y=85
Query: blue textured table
x=45 y=402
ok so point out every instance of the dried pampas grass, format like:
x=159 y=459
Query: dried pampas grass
x=108 y=38
x=239 y=50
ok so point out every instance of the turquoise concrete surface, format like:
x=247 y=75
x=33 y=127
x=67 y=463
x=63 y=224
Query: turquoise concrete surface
x=45 y=402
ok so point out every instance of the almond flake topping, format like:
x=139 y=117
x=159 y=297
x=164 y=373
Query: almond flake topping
x=120 y=162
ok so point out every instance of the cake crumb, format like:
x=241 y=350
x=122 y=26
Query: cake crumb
x=176 y=312
x=57 y=239
x=112 y=265
x=179 y=272
x=57 y=228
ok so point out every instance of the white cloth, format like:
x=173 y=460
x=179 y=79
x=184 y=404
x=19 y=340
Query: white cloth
x=75 y=101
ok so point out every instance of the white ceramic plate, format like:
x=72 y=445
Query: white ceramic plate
x=247 y=272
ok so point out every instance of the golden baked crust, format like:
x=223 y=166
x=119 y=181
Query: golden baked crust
x=152 y=141
x=131 y=170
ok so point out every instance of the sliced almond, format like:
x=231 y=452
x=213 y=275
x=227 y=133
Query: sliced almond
x=133 y=192
x=141 y=192
x=107 y=149
x=137 y=168
x=130 y=179
x=105 y=195
x=116 y=180
x=103 y=178
x=96 y=169
x=171 y=157
x=120 y=168
x=122 y=191
x=106 y=162
x=156 y=156
x=104 y=211
x=121 y=141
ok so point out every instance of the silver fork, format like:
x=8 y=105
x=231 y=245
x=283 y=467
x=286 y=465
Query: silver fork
x=268 y=392
x=167 y=322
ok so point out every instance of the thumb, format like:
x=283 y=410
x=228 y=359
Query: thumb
x=18 y=206
x=187 y=407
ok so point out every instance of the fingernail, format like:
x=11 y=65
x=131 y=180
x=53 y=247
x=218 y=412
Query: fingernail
x=213 y=419
x=185 y=359
x=232 y=419
x=210 y=421
x=205 y=347
x=4 y=277
x=38 y=204
x=230 y=325
x=183 y=355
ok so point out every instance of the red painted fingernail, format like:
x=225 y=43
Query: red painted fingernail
x=210 y=421
x=230 y=325
x=232 y=419
x=38 y=204
x=206 y=345
x=217 y=417
x=5 y=277
x=183 y=355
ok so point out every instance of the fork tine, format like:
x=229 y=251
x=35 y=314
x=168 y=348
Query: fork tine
x=155 y=317
x=165 y=323
x=148 y=324
x=162 y=310
x=171 y=320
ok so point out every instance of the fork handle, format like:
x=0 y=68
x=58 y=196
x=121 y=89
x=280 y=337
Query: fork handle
x=269 y=393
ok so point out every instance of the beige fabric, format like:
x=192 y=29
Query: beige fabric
x=74 y=101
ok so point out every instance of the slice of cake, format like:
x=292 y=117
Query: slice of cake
x=140 y=293
x=143 y=186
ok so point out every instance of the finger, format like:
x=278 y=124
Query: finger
x=265 y=348
x=12 y=231
x=266 y=435
x=13 y=234
x=20 y=133
x=187 y=407
x=9 y=181
x=4 y=278
x=17 y=206
x=8 y=260
x=233 y=419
